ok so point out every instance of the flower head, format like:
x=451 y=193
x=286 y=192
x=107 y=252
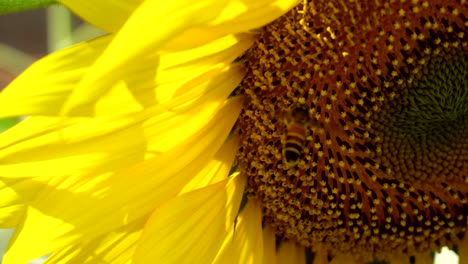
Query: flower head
x=381 y=165
x=342 y=124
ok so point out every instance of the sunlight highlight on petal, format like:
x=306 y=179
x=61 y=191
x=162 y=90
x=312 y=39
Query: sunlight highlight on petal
x=218 y=168
x=156 y=78
x=463 y=250
x=206 y=214
x=44 y=87
x=169 y=19
x=78 y=147
x=16 y=195
x=289 y=252
x=74 y=147
x=181 y=77
x=236 y=16
x=269 y=245
x=98 y=199
x=246 y=15
x=30 y=128
x=115 y=15
x=195 y=65
x=245 y=243
x=116 y=247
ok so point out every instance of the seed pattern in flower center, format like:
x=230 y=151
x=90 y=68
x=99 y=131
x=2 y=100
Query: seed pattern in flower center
x=384 y=168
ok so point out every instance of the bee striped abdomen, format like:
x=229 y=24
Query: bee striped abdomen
x=295 y=139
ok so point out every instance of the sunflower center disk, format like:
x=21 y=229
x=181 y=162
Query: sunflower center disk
x=355 y=131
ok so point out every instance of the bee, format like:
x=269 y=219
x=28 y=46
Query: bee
x=297 y=124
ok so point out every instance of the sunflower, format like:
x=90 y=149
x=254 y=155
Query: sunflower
x=243 y=132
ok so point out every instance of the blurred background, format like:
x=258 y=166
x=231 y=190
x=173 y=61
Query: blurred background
x=27 y=36
x=23 y=40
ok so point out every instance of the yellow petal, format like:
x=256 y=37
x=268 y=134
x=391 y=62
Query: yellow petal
x=236 y=16
x=67 y=255
x=246 y=244
x=269 y=246
x=400 y=259
x=218 y=168
x=463 y=250
x=321 y=257
x=16 y=195
x=343 y=259
x=191 y=227
x=71 y=148
x=177 y=125
x=178 y=74
x=180 y=78
x=176 y=69
x=116 y=247
x=44 y=87
x=426 y=258
x=108 y=15
x=167 y=19
x=81 y=207
x=245 y=15
x=84 y=145
x=290 y=252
